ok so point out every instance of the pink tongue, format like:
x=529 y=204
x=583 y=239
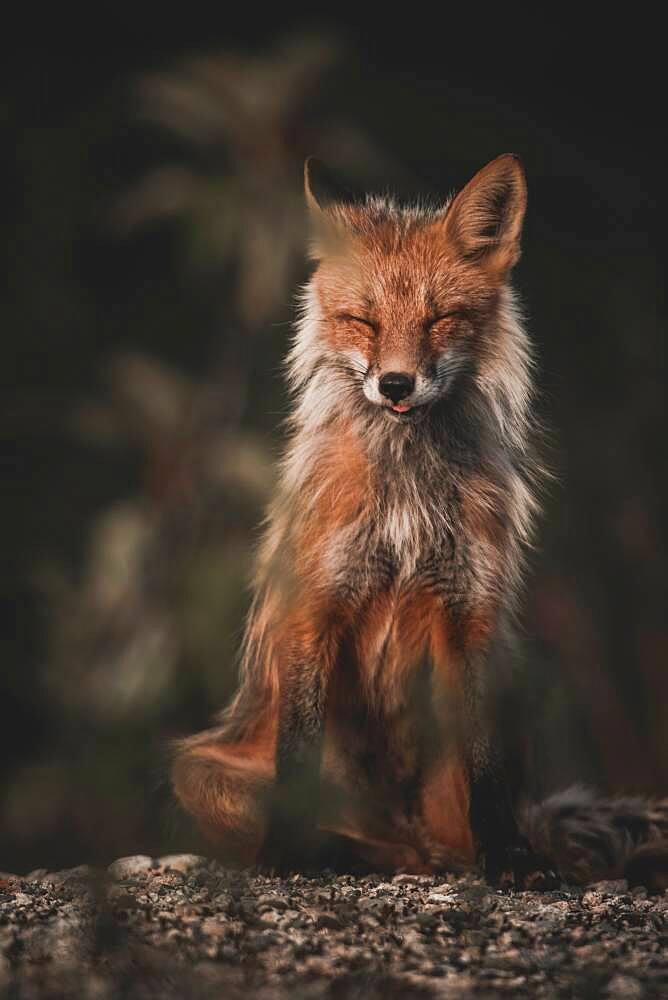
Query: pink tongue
x=401 y=407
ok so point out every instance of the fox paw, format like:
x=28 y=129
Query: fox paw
x=517 y=867
x=434 y=856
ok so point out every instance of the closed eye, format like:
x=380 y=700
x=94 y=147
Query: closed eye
x=351 y=318
x=452 y=314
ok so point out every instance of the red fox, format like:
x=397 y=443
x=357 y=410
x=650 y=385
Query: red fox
x=363 y=733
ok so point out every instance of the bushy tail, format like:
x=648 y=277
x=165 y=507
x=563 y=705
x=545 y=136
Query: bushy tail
x=591 y=838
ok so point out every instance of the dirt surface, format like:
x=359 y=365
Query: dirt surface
x=184 y=927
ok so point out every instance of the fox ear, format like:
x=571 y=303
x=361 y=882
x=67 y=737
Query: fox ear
x=325 y=196
x=485 y=219
x=322 y=188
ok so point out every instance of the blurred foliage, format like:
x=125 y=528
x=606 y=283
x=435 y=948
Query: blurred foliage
x=162 y=582
x=244 y=118
x=154 y=256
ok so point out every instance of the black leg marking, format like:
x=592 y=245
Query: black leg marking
x=505 y=854
x=290 y=838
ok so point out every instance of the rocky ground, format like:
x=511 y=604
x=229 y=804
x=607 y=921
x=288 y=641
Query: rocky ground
x=184 y=927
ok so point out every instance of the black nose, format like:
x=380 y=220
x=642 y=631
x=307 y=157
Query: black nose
x=396 y=385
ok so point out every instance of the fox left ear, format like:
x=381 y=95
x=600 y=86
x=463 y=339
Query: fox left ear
x=484 y=220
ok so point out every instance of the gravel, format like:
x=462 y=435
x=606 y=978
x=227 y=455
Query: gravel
x=183 y=926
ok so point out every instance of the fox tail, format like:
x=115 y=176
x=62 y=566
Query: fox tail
x=589 y=838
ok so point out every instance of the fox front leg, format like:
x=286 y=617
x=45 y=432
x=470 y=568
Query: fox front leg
x=501 y=849
x=505 y=854
x=291 y=829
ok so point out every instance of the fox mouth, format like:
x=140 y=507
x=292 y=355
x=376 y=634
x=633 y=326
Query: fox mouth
x=405 y=412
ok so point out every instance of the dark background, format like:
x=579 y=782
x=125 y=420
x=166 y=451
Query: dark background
x=143 y=322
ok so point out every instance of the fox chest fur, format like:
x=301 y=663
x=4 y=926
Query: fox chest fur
x=408 y=541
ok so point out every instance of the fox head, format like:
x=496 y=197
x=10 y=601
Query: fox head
x=407 y=302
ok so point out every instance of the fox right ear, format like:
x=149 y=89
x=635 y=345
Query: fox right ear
x=325 y=196
x=321 y=187
x=311 y=168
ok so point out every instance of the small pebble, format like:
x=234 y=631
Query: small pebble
x=134 y=864
x=181 y=862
